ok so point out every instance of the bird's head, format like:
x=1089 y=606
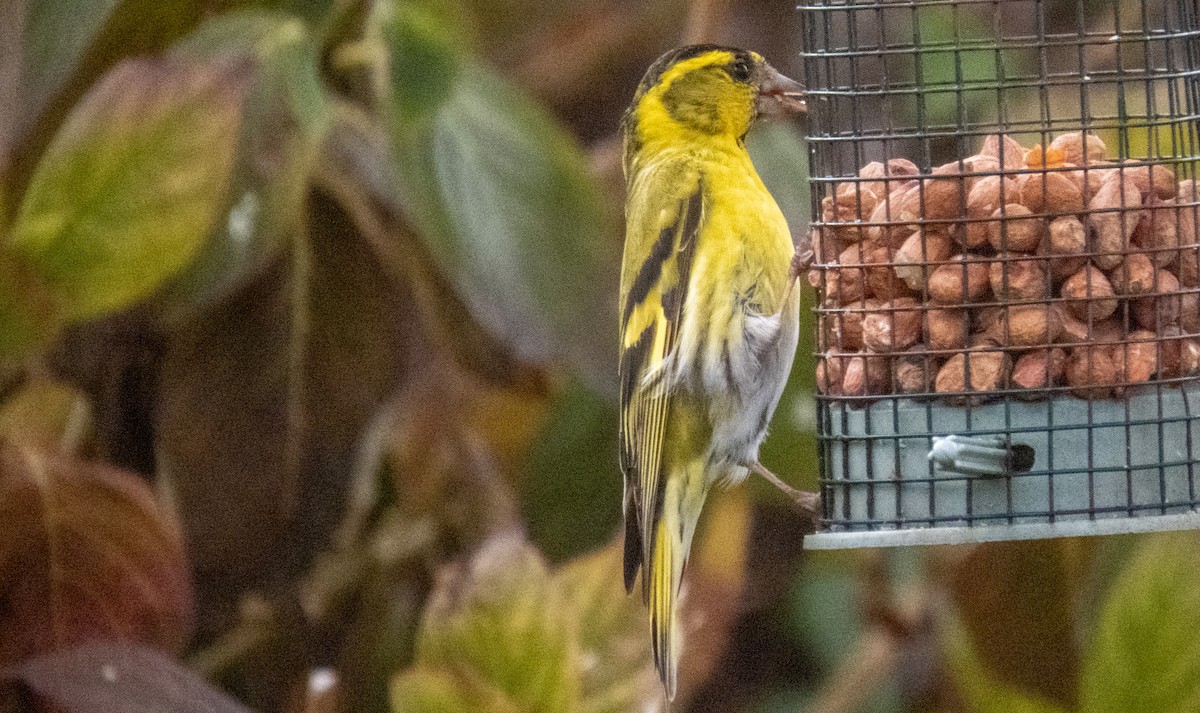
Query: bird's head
x=711 y=90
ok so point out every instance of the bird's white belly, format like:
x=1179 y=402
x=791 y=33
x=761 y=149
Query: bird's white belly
x=742 y=383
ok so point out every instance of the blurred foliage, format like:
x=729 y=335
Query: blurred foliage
x=125 y=194
x=306 y=365
x=502 y=633
x=1139 y=651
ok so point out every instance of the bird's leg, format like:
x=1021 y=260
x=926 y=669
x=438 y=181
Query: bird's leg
x=802 y=259
x=800 y=262
x=809 y=502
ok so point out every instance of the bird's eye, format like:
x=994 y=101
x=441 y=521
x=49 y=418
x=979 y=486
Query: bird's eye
x=740 y=71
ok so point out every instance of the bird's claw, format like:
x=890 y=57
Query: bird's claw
x=801 y=261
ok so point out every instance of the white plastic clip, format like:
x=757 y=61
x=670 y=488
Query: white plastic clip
x=980 y=455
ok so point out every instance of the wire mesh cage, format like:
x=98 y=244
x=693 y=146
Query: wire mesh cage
x=1008 y=267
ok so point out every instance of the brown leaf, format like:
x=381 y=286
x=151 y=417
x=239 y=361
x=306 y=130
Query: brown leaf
x=106 y=676
x=87 y=552
x=1015 y=599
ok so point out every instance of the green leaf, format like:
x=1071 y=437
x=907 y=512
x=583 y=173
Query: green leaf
x=425 y=62
x=500 y=621
x=422 y=690
x=528 y=219
x=505 y=201
x=616 y=666
x=1145 y=654
x=980 y=691
x=286 y=117
x=131 y=184
x=561 y=488
x=29 y=317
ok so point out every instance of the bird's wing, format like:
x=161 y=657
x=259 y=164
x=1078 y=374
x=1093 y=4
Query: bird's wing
x=653 y=288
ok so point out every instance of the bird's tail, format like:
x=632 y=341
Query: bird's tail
x=665 y=574
x=672 y=543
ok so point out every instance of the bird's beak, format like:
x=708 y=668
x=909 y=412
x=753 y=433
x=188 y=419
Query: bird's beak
x=779 y=95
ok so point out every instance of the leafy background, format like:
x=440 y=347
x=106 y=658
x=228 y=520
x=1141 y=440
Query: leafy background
x=306 y=369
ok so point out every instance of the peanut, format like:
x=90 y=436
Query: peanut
x=947 y=187
x=1136 y=359
x=846 y=280
x=971 y=377
x=867 y=374
x=946 y=329
x=1040 y=369
x=1059 y=245
x=895 y=326
x=882 y=178
x=913 y=258
x=1051 y=192
x=882 y=280
x=1154 y=179
x=1029 y=326
x=846 y=325
x=1013 y=229
x=1172 y=349
x=963 y=280
x=1134 y=276
x=1016 y=277
x=1088 y=295
x=915 y=371
x=1113 y=217
x=1075 y=332
x=895 y=217
x=1065 y=243
x=1189 y=312
x=1013 y=157
x=830 y=373
x=1189 y=217
x=1161 y=306
x=1092 y=371
x=1079 y=148
x=1157 y=231
x=986 y=197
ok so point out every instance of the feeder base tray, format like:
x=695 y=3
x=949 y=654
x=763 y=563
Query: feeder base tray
x=1099 y=467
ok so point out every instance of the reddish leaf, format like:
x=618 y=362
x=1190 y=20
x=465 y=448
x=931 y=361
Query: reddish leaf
x=86 y=553
x=106 y=676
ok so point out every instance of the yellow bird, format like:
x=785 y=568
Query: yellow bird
x=709 y=316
